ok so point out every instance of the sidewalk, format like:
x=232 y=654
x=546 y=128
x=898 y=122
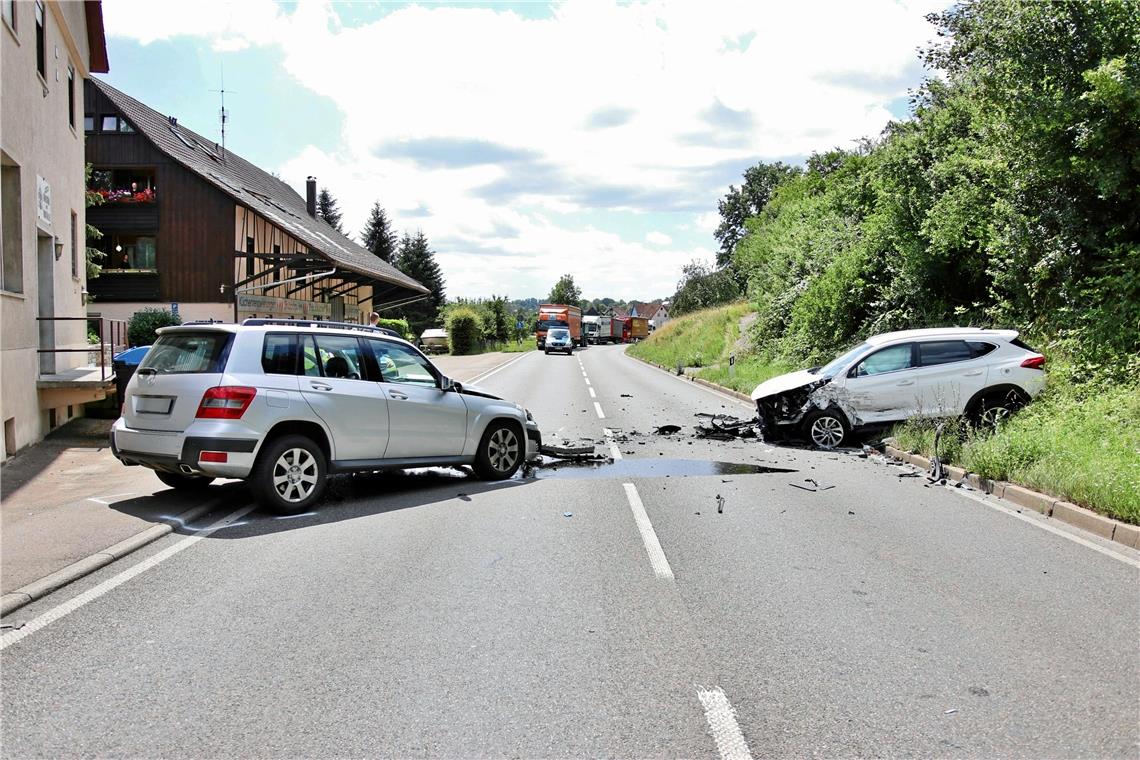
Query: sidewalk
x=67 y=498
x=68 y=507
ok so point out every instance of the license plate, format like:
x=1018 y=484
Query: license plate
x=153 y=404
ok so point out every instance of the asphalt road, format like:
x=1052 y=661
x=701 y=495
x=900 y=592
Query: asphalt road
x=432 y=615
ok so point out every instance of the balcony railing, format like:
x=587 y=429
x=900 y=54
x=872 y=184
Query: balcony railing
x=112 y=335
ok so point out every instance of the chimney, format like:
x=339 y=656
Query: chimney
x=311 y=196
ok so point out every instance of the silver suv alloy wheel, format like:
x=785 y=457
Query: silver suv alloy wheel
x=503 y=449
x=295 y=475
x=826 y=432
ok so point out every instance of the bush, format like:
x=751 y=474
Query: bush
x=399 y=325
x=464 y=330
x=141 y=330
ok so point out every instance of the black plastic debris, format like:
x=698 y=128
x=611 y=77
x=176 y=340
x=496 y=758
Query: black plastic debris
x=813 y=486
x=725 y=427
x=627 y=395
x=719 y=504
x=667 y=429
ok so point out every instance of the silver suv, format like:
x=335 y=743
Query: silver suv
x=283 y=404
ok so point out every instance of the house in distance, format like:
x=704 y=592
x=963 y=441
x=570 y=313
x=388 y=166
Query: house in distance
x=187 y=222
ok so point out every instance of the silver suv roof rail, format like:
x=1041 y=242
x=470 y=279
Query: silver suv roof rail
x=320 y=323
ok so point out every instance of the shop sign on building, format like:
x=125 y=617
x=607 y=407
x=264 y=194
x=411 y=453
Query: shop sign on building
x=43 y=201
x=281 y=307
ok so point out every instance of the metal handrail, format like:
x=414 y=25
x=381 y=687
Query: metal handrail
x=116 y=329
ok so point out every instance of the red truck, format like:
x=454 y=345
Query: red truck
x=632 y=329
x=559 y=315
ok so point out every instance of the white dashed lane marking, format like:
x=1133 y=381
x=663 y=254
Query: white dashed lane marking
x=725 y=731
x=648 y=536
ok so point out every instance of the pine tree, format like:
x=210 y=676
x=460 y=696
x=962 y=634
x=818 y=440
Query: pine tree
x=377 y=235
x=328 y=210
x=416 y=259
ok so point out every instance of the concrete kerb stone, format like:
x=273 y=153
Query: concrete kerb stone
x=1085 y=519
x=1023 y=497
x=24 y=595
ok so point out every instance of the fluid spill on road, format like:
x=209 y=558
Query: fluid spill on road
x=644 y=468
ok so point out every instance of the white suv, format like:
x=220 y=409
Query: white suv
x=889 y=378
x=283 y=404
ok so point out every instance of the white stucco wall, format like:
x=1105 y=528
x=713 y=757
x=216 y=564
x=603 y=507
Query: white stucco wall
x=36 y=136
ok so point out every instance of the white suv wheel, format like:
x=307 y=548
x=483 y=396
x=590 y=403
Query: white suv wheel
x=826 y=431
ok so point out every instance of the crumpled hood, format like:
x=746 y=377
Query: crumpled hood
x=784 y=383
x=475 y=390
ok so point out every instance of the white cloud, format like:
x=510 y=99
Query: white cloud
x=498 y=124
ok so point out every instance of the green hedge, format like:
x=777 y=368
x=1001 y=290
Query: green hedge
x=144 y=322
x=464 y=330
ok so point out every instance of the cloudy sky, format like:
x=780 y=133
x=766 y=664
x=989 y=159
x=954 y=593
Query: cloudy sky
x=528 y=140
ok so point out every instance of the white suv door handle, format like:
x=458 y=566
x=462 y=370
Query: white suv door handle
x=320 y=386
x=905 y=382
x=974 y=373
x=397 y=395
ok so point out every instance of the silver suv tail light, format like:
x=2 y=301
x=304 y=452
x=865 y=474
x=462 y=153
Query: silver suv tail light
x=225 y=402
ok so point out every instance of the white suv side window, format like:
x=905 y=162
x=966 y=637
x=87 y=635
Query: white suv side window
x=889 y=359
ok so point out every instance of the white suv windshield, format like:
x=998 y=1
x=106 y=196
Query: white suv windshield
x=559 y=334
x=832 y=367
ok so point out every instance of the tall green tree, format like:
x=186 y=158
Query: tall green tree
x=565 y=291
x=378 y=235
x=499 y=326
x=328 y=209
x=416 y=259
x=702 y=287
x=738 y=205
x=92 y=255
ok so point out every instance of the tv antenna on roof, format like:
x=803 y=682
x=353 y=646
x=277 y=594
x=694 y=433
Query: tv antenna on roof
x=222 y=114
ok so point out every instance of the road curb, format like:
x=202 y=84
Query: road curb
x=1119 y=532
x=27 y=594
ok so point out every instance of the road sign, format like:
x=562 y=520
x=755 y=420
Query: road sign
x=732 y=365
x=174 y=309
x=519 y=325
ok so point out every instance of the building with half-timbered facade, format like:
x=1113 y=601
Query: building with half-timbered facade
x=187 y=223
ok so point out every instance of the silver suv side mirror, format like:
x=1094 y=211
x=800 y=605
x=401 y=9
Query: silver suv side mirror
x=447 y=384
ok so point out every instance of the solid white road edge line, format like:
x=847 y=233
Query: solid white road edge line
x=648 y=536
x=704 y=388
x=592 y=393
x=598 y=409
x=615 y=452
x=493 y=370
x=725 y=731
x=54 y=614
x=1037 y=522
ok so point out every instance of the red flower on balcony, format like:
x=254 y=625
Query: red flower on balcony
x=126 y=195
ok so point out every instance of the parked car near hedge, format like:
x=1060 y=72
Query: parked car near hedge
x=984 y=374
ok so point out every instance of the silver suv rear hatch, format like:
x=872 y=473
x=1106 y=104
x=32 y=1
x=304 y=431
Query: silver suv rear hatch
x=167 y=388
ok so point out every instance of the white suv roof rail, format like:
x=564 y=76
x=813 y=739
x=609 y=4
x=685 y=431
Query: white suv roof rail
x=320 y=323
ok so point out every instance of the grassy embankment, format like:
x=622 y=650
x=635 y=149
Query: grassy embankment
x=1072 y=442
x=703 y=342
